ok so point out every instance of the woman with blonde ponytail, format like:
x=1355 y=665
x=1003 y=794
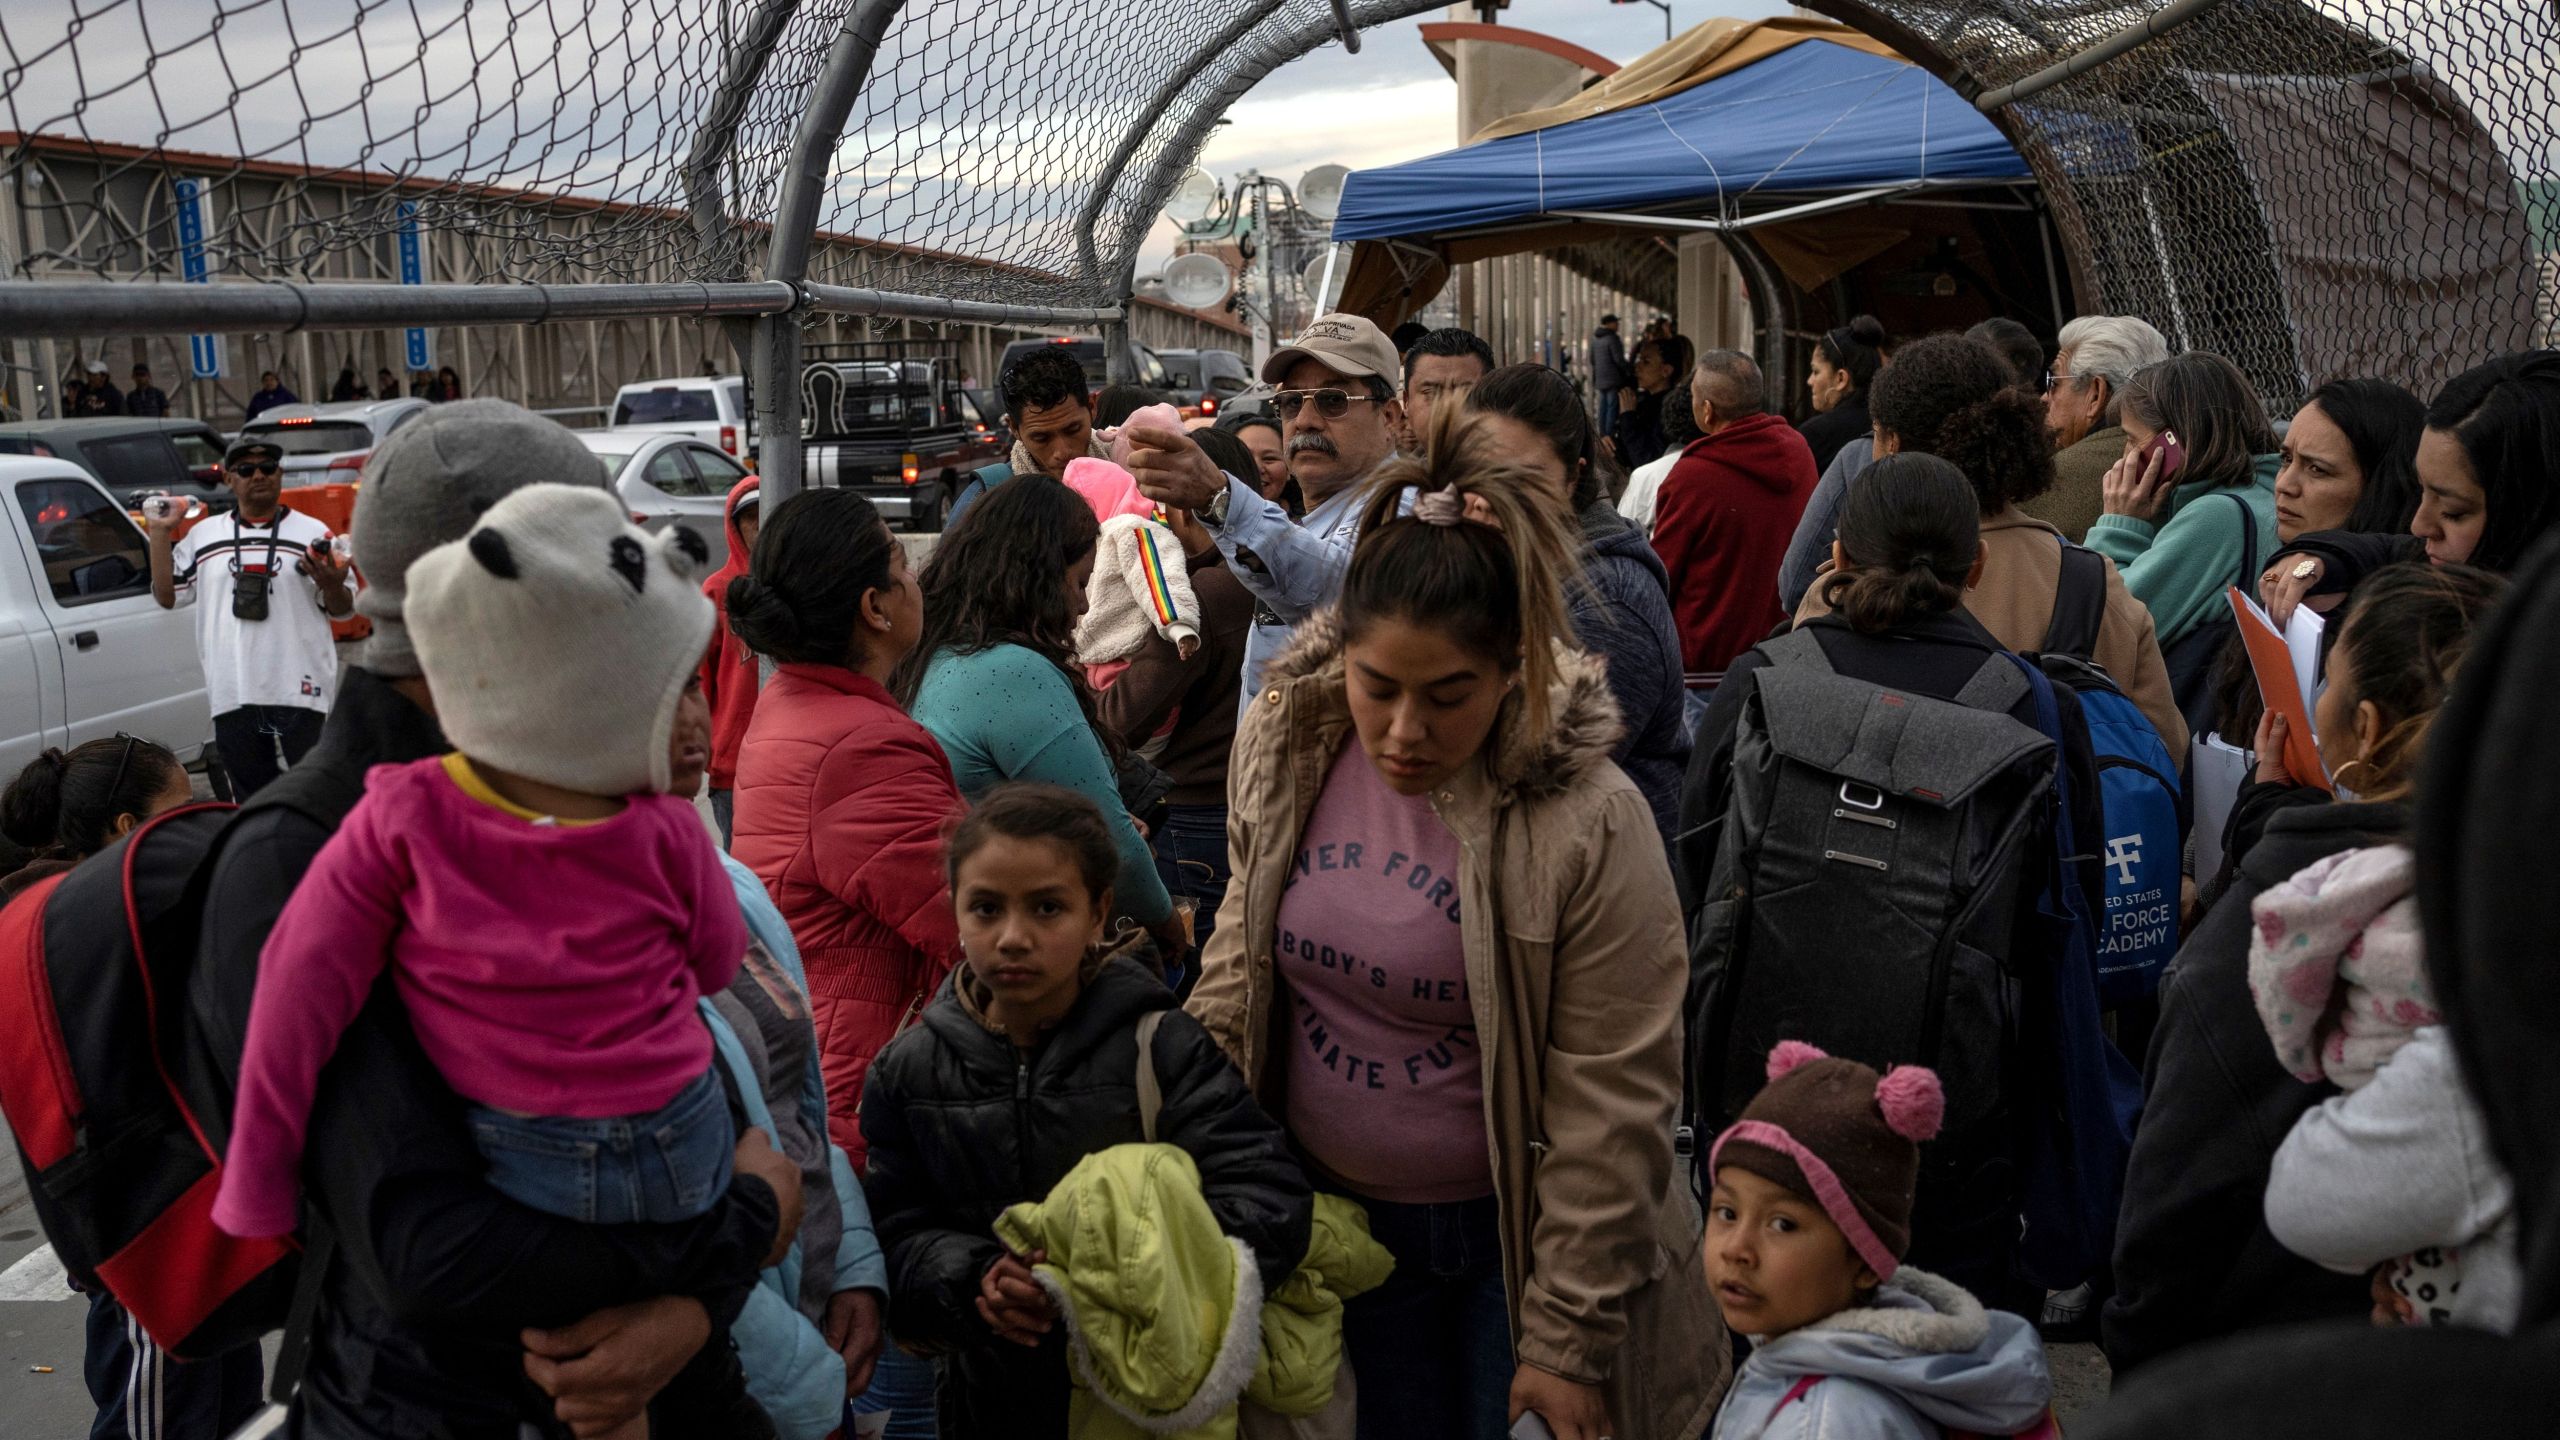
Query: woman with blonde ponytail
x=1451 y=964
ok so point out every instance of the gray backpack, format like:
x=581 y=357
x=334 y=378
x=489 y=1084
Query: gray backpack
x=1875 y=850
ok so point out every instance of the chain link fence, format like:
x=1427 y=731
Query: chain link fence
x=2346 y=187
x=2341 y=186
x=554 y=134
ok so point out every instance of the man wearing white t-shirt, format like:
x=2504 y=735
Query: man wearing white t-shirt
x=266 y=582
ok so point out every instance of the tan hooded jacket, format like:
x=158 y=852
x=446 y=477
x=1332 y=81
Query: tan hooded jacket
x=1577 y=973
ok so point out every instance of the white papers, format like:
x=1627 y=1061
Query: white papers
x=2216 y=770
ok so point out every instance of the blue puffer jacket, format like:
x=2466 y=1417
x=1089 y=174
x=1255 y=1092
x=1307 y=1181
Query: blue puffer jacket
x=1923 y=1359
x=790 y=1371
x=1623 y=614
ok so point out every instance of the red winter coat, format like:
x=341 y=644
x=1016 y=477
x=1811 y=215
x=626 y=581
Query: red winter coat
x=842 y=805
x=1721 y=526
x=729 y=670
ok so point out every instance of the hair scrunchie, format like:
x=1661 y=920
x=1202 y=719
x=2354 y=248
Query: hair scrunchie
x=1440 y=507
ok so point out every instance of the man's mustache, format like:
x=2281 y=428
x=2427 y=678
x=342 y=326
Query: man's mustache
x=1310 y=440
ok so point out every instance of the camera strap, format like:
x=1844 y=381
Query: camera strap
x=240 y=542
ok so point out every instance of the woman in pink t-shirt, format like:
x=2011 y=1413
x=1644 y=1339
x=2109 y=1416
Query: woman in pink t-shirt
x=1451 y=962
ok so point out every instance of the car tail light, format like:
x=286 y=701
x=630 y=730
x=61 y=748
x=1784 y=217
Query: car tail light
x=1208 y=404
x=907 y=471
x=349 y=462
x=729 y=438
x=639 y=519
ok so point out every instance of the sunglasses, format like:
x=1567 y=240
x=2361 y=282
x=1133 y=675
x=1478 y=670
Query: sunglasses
x=1331 y=403
x=123 y=762
x=248 y=469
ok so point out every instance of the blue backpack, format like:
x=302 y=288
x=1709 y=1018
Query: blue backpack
x=2078 y=1096
x=2138 y=791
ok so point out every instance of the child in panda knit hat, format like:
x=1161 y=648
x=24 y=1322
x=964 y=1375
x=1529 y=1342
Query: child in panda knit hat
x=1806 y=1227
x=547 y=913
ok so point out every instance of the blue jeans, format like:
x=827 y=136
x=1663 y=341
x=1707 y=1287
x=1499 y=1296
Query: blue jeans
x=657 y=1169
x=1191 y=856
x=1609 y=411
x=724 y=813
x=903 y=1385
x=1431 y=1348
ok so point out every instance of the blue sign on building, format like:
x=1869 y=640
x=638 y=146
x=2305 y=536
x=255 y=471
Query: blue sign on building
x=204 y=352
x=413 y=272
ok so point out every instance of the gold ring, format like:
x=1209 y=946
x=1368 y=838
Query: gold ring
x=2305 y=568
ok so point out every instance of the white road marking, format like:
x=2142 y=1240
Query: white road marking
x=37 y=1276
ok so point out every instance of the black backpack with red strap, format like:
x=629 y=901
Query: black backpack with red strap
x=108 y=1114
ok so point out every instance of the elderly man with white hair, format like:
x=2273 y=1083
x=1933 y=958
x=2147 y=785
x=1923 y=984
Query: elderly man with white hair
x=2096 y=355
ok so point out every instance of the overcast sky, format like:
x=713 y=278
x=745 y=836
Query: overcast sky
x=1392 y=101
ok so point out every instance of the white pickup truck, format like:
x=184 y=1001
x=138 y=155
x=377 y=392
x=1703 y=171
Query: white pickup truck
x=710 y=408
x=85 y=651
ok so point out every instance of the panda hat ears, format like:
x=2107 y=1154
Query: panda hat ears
x=570 y=672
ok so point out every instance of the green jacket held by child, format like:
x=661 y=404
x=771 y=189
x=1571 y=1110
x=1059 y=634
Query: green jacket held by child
x=1168 y=1327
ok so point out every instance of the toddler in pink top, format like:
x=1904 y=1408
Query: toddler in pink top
x=548 y=914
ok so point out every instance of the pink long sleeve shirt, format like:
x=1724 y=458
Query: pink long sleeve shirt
x=547 y=969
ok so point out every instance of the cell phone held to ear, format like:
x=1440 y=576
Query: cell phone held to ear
x=2165 y=447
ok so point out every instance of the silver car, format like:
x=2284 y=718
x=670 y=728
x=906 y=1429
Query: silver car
x=668 y=479
x=328 y=444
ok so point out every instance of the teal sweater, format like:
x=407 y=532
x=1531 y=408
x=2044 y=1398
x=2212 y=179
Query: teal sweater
x=2179 y=567
x=1004 y=713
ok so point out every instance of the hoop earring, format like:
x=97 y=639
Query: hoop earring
x=2344 y=783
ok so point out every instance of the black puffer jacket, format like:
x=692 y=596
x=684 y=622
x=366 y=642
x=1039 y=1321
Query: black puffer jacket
x=2194 y=1260
x=962 y=1124
x=1622 y=613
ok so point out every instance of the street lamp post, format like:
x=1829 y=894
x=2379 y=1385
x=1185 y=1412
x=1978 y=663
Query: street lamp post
x=1662 y=5
x=1201 y=199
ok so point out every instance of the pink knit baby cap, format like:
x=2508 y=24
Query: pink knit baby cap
x=1106 y=487
x=1842 y=1137
x=1158 y=416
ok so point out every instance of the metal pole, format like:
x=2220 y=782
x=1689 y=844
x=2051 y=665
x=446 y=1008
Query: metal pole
x=795 y=223
x=1108 y=177
x=1184 y=137
x=2133 y=37
x=849 y=300
x=103 y=307
x=1262 y=272
x=717 y=139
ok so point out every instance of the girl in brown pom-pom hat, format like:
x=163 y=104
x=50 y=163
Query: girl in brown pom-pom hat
x=1806 y=1228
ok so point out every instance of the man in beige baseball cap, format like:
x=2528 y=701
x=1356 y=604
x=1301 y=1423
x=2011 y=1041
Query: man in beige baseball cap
x=1350 y=346
x=1338 y=422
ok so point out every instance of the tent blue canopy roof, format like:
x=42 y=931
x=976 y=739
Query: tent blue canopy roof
x=1812 y=120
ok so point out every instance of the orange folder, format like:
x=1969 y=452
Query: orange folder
x=2272 y=660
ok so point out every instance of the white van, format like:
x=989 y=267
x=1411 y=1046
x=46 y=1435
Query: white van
x=85 y=652
x=710 y=408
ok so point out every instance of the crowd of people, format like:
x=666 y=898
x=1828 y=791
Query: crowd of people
x=90 y=390
x=1452 y=903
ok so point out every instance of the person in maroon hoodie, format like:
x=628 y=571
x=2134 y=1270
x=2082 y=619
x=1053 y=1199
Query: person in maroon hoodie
x=843 y=801
x=1724 y=517
x=729 y=667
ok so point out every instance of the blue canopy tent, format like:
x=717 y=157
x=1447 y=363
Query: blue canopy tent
x=1816 y=119
x=1839 y=176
